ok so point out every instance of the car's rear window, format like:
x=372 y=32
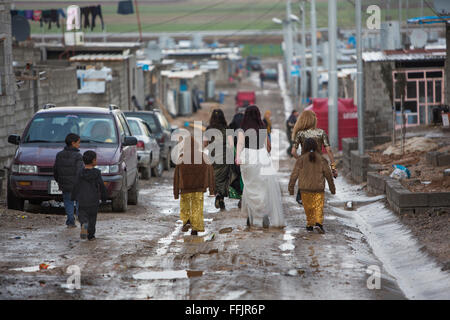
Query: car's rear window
x=135 y=129
x=147 y=117
x=92 y=128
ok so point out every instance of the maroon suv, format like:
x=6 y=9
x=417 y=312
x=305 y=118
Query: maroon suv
x=105 y=131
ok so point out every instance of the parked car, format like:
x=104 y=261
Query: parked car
x=245 y=98
x=270 y=74
x=162 y=130
x=149 y=158
x=106 y=131
x=254 y=63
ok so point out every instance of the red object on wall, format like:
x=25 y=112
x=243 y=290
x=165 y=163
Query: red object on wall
x=347 y=113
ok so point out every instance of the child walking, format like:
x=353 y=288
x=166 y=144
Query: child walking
x=311 y=170
x=193 y=175
x=86 y=193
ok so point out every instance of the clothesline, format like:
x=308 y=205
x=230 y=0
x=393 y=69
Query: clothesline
x=54 y=15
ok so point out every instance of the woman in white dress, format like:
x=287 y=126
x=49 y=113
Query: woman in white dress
x=261 y=198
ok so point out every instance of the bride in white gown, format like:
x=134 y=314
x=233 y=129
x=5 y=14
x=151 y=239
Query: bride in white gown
x=261 y=198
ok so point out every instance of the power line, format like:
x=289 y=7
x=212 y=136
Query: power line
x=177 y=17
x=252 y=21
x=224 y=17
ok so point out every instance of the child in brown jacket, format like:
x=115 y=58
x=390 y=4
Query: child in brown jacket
x=311 y=170
x=193 y=175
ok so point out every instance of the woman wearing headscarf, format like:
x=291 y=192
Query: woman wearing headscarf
x=219 y=154
x=193 y=175
x=261 y=198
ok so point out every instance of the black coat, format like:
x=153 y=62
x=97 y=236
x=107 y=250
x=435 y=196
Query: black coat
x=67 y=167
x=88 y=187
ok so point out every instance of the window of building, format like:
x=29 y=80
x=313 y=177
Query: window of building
x=424 y=90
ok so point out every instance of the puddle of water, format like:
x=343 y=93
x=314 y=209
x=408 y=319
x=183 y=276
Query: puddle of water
x=286 y=247
x=31 y=269
x=287 y=236
x=167 y=275
x=234 y=295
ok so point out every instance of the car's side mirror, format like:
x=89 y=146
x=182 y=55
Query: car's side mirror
x=14 y=139
x=129 y=141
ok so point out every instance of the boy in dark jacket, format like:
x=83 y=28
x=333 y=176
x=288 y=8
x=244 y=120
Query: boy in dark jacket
x=67 y=167
x=86 y=192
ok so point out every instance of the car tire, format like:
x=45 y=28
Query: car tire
x=14 y=202
x=133 y=193
x=120 y=203
x=159 y=169
x=146 y=173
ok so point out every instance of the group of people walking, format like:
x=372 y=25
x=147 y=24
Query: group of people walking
x=252 y=175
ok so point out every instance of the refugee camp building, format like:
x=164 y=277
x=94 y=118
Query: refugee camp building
x=424 y=90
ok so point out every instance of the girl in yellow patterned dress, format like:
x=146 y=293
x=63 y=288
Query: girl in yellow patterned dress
x=311 y=170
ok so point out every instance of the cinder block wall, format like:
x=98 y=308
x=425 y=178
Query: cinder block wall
x=378 y=109
x=60 y=88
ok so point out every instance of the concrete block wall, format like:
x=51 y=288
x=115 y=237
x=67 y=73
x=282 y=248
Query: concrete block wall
x=378 y=108
x=359 y=166
x=59 y=88
x=403 y=201
x=438 y=159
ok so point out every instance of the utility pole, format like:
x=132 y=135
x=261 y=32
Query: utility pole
x=400 y=14
x=332 y=76
x=314 y=49
x=303 y=81
x=289 y=43
x=359 y=78
x=421 y=8
x=138 y=20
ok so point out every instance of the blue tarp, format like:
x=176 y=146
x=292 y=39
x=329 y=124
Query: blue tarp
x=429 y=20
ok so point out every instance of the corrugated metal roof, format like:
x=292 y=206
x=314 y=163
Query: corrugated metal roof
x=404 y=55
x=99 y=57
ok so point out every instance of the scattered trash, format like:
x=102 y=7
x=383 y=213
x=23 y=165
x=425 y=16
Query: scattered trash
x=191 y=273
x=400 y=172
x=42 y=283
x=349 y=205
x=212 y=251
x=17 y=237
x=210 y=237
x=33 y=268
x=426 y=182
x=167 y=275
x=43 y=266
x=226 y=230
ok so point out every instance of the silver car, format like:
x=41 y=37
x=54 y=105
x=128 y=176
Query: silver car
x=149 y=156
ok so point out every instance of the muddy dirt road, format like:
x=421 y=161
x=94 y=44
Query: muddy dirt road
x=142 y=254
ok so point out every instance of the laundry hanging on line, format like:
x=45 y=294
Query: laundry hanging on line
x=125 y=7
x=93 y=11
x=50 y=16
